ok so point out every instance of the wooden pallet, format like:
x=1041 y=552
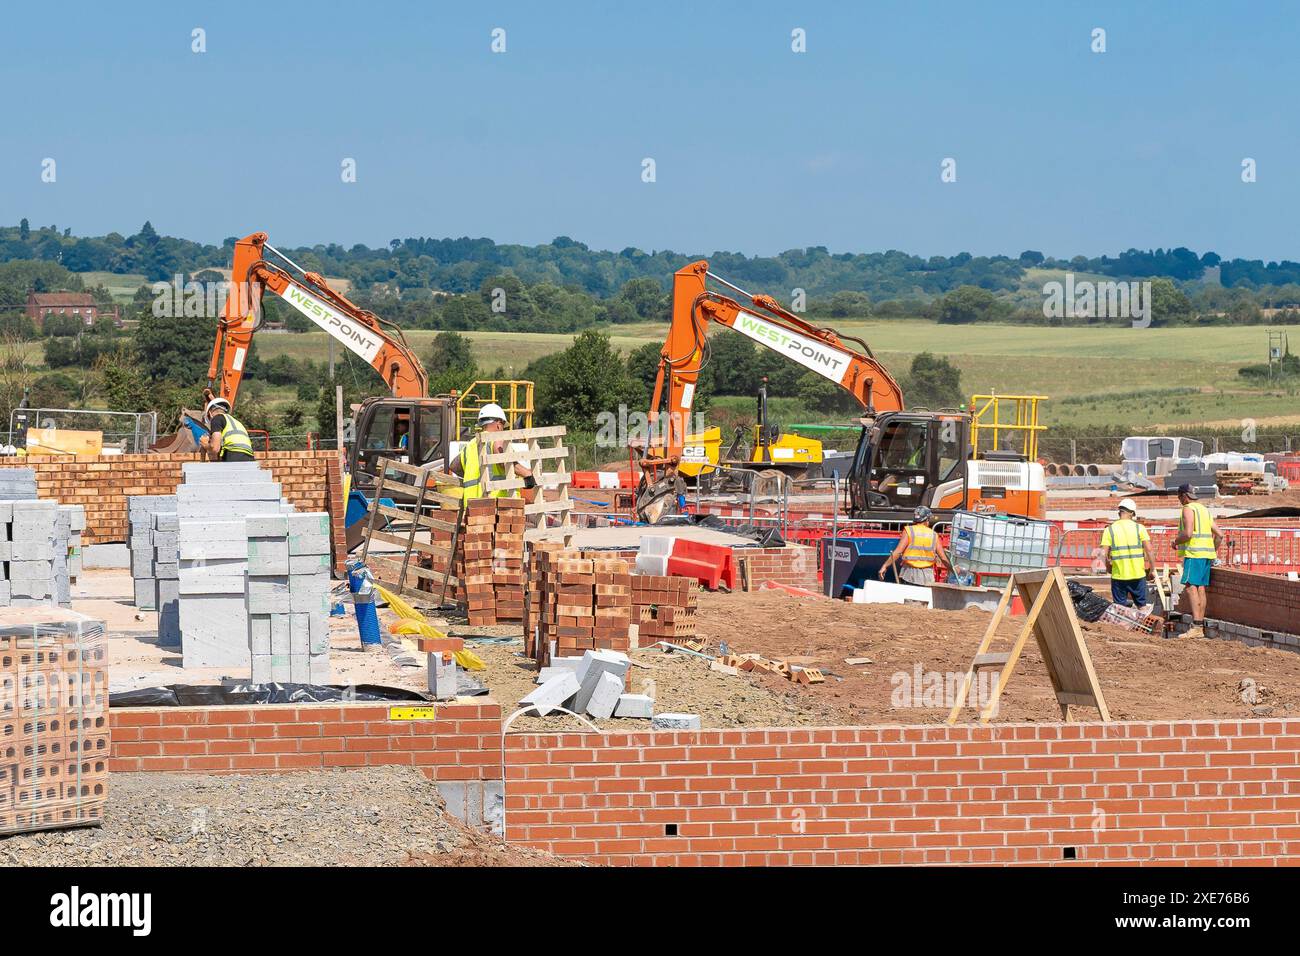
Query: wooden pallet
x=535 y=455
x=404 y=520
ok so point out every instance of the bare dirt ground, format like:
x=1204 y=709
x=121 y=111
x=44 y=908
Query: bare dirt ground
x=376 y=816
x=1142 y=677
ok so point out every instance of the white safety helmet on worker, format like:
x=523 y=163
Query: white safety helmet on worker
x=491 y=412
x=218 y=404
x=1128 y=505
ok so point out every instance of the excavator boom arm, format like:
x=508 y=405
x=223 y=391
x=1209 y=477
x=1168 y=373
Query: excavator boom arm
x=359 y=331
x=817 y=349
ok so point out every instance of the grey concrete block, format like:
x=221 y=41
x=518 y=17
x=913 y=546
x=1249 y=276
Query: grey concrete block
x=309 y=523
x=280 y=668
x=319 y=668
x=214 y=550
x=268 y=595
x=281 y=634
x=145 y=594
x=110 y=555
x=309 y=602
x=309 y=544
x=605 y=697
x=309 y=564
x=299 y=669
x=261 y=669
x=318 y=636
x=167 y=572
x=599 y=662
x=635 y=705
x=675 y=722
x=556 y=692
x=166 y=522
x=226 y=586
x=268 y=556
x=211 y=529
x=267 y=526
x=444 y=680
x=31 y=551
x=259 y=634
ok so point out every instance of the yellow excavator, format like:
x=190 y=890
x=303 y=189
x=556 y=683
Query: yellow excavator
x=759 y=446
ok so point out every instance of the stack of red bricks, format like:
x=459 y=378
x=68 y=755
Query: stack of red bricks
x=54 y=742
x=489 y=560
x=665 y=607
x=580 y=600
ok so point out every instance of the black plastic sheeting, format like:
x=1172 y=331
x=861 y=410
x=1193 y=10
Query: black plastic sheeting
x=763 y=537
x=1088 y=605
x=210 y=695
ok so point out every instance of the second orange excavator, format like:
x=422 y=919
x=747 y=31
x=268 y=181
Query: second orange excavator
x=903 y=458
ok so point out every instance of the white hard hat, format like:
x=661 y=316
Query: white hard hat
x=216 y=403
x=491 y=412
x=1128 y=505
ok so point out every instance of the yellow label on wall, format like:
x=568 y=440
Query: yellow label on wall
x=412 y=712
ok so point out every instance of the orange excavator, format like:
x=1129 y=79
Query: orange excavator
x=903 y=458
x=407 y=425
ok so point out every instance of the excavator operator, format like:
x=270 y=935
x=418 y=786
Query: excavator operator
x=227 y=439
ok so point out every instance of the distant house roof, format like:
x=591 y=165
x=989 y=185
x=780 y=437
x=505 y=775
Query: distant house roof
x=58 y=299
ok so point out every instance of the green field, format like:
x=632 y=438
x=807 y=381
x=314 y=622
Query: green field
x=121 y=286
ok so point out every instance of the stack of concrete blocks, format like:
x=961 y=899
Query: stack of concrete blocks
x=593 y=684
x=17 y=484
x=63 y=535
x=166 y=577
x=28 y=552
x=140 y=512
x=212 y=506
x=76 y=525
x=288 y=597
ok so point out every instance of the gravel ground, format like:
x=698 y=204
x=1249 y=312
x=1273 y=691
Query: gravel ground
x=380 y=816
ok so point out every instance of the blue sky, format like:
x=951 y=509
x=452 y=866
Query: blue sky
x=757 y=149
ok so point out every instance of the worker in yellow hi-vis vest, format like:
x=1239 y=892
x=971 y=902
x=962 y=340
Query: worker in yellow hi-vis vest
x=1128 y=552
x=491 y=418
x=1198 y=543
x=919 y=548
x=227 y=439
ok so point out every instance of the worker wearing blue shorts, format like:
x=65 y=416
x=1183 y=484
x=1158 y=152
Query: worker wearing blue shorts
x=1198 y=544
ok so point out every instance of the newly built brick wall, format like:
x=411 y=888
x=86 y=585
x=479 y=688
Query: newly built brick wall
x=102 y=483
x=461 y=743
x=1254 y=600
x=1185 y=792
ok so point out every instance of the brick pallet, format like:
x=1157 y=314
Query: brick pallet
x=664 y=608
x=54 y=737
x=489 y=560
x=579 y=600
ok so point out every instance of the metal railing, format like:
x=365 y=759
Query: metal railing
x=143 y=431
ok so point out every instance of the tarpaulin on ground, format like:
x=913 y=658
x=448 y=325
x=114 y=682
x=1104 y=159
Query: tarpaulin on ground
x=216 y=695
x=1088 y=605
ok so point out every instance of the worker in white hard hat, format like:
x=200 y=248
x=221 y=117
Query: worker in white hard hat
x=1128 y=554
x=919 y=549
x=491 y=418
x=227 y=439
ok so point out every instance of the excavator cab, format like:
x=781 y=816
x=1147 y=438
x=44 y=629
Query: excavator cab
x=906 y=459
x=418 y=431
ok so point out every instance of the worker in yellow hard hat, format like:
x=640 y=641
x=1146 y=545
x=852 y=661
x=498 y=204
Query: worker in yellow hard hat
x=491 y=418
x=1128 y=553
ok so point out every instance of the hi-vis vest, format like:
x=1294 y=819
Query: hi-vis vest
x=234 y=437
x=921 y=546
x=1200 y=543
x=471 y=473
x=1124 y=541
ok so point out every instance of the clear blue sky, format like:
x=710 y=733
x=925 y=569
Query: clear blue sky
x=758 y=149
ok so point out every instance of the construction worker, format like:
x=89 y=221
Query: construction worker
x=1198 y=544
x=919 y=548
x=227 y=439
x=491 y=418
x=1128 y=553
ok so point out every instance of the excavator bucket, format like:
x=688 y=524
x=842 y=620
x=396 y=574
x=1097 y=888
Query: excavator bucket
x=185 y=440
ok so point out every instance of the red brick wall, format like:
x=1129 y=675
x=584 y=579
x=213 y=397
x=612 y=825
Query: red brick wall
x=1188 y=792
x=102 y=483
x=462 y=743
x=1255 y=600
x=1202 y=792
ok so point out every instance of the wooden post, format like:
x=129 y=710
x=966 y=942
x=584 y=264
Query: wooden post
x=338 y=428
